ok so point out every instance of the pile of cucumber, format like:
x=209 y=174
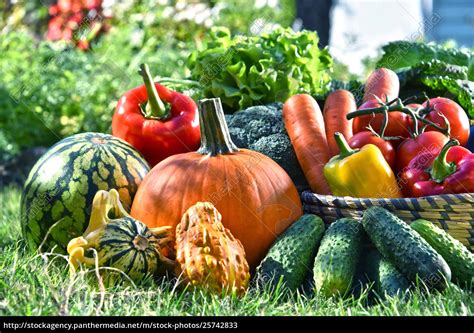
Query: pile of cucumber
x=381 y=253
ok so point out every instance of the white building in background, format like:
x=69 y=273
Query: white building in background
x=360 y=27
x=457 y=21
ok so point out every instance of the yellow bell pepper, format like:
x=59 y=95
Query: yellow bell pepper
x=360 y=173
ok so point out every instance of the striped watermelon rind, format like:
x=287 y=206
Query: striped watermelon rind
x=58 y=193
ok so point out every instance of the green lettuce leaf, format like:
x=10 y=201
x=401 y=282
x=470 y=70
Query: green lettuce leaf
x=252 y=70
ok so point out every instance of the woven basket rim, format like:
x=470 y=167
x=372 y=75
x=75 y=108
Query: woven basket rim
x=309 y=197
x=440 y=196
x=453 y=212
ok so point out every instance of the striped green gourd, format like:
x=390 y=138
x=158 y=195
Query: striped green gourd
x=115 y=239
x=57 y=196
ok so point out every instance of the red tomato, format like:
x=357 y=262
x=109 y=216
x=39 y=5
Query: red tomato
x=455 y=114
x=363 y=138
x=397 y=121
x=425 y=142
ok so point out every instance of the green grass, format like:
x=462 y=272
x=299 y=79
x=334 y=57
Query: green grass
x=40 y=285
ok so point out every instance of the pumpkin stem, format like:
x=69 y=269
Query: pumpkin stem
x=215 y=137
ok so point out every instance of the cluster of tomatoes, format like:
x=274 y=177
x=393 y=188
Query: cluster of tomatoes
x=415 y=129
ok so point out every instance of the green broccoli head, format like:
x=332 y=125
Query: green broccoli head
x=278 y=147
x=258 y=129
x=239 y=137
x=251 y=124
x=261 y=128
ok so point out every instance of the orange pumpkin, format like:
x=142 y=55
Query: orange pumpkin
x=255 y=196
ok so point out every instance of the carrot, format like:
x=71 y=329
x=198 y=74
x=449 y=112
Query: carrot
x=337 y=105
x=305 y=126
x=382 y=82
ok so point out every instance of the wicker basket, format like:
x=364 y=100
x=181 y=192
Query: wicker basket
x=453 y=212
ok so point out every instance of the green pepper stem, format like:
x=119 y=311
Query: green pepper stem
x=155 y=108
x=344 y=148
x=441 y=168
x=189 y=83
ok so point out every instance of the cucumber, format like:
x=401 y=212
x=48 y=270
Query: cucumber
x=406 y=249
x=291 y=256
x=338 y=254
x=307 y=287
x=387 y=279
x=361 y=282
x=458 y=257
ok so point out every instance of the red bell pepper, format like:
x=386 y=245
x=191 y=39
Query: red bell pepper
x=451 y=171
x=157 y=130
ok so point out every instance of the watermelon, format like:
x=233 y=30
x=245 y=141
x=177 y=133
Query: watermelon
x=58 y=193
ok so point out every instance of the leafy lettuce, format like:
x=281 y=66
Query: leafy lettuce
x=253 y=70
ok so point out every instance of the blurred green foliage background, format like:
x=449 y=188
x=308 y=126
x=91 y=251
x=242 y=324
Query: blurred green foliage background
x=50 y=90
